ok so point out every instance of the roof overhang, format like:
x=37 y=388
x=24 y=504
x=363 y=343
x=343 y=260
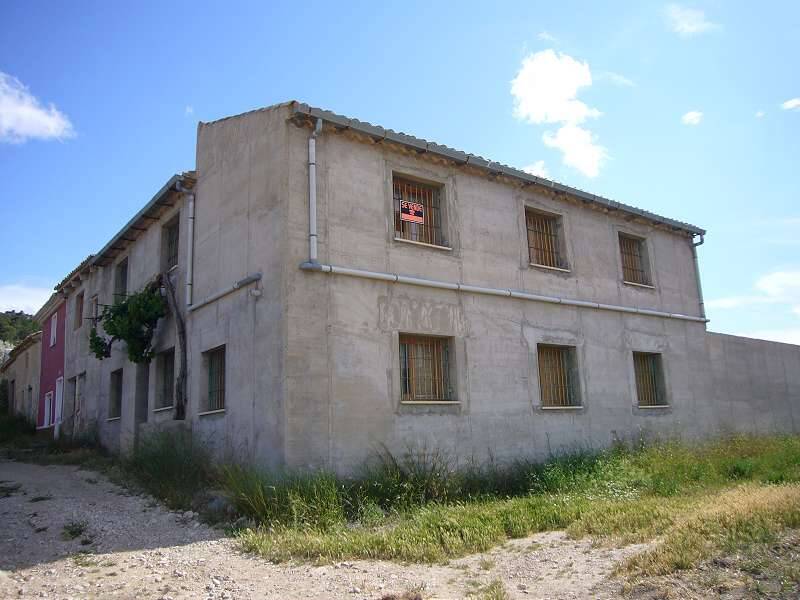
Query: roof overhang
x=302 y=112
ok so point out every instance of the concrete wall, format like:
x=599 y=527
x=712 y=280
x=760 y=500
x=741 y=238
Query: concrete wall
x=24 y=371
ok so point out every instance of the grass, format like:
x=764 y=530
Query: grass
x=418 y=513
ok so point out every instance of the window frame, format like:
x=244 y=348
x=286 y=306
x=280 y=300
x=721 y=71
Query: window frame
x=446 y=369
x=167 y=262
x=164 y=384
x=213 y=405
x=440 y=212
x=77 y=314
x=657 y=378
x=644 y=259
x=560 y=234
x=54 y=329
x=573 y=376
x=119 y=293
x=115 y=392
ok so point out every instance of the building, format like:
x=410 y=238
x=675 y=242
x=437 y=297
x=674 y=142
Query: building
x=21 y=372
x=51 y=379
x=347 y=288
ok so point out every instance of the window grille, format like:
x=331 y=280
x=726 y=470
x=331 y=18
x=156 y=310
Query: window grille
x=544 y=239
x=558 y=379
x=634 y=260
x=115 y=395
x=428 y=228
x=649 y=379
x=216 y=378
x=121 y=281
x=171 y=237
x=425 y=369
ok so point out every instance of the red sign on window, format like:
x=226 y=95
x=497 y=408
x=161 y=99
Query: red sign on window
x=413 y=212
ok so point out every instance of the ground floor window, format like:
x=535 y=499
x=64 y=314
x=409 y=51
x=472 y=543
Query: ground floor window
x=115 y=395
x=425 y=368
x=215 y=368
x=649 y=379
x=558 y=376
x=165 y=376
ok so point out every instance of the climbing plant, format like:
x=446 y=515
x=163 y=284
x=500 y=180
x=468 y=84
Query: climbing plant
x=132 y=321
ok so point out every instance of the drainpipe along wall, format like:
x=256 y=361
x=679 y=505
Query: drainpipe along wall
x=312 y=194
x=697 y=274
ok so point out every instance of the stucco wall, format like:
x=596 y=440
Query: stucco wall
x=25 y=372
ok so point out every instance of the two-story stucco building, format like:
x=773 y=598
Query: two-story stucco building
x=345 y=287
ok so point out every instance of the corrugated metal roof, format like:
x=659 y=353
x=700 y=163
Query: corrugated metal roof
x=459 y=156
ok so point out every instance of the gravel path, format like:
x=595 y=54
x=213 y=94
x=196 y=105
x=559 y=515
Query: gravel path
x=128 y=546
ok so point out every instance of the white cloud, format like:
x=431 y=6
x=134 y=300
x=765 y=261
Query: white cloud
x=759 y=114
x=538 y=168
x=546 y=37
x=693 y=117
x=687 y=21
x=792 y=104
x=20 y=296
x=22 y=117
x=189 y=110
x=615 y=78
x=545 y=91
x=778 y=287
x=579 y=147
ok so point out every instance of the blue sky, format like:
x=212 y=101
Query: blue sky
x=690 y=110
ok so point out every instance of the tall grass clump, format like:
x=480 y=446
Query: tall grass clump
x=15 y=427
x=170 y=466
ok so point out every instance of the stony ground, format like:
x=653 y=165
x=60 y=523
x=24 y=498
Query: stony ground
x=70 y=533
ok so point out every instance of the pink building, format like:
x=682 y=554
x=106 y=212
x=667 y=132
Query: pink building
x=52 y=317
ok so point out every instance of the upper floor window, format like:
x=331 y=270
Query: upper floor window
x=635 y=262
x=53 y=329
x=425 y=369
x=94 y=309
x=78 y=315
x=418 y=211
x=545 y=239
x=121 y=281
x=171 y=235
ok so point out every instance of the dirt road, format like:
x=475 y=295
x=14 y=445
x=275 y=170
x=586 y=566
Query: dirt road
x=70 y=533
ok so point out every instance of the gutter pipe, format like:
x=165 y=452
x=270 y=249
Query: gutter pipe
x=489 y=291
x=312 y=193
x=190 y=244
x=697 y=274
x=238 y=285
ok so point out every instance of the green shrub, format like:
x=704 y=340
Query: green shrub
x=170 y=466
x=15 y=427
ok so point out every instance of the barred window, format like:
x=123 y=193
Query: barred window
x=649 y=379
x=545 y=243
x=170 y=241
x=558 y=376
x=635 y=268
x=425 y=369
x=215 y=365
x=165 y=365
x=121 y=281
x=115 y=395
x=418 y=211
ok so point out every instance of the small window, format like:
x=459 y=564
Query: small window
x=215 y=365
x=115 y=395
x=635 y=267
x=171 y=236
x=121 y=281
x=94 y=308
x=78 y=316
x=53 y=330
x=558 y=376
x=425 y=369
x=165 y=366
x=649 y=379
x=545 y=239
x=418 y=211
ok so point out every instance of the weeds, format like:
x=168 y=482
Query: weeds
x=74 y=529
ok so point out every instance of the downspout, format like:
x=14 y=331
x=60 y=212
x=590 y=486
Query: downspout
x=190 y=242
x=312 y=196
x=697 y=273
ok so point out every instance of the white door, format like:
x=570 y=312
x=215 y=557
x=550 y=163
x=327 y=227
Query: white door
x=59 y=405
x=48 y=409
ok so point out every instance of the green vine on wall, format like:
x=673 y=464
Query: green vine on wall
x=132 y=321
